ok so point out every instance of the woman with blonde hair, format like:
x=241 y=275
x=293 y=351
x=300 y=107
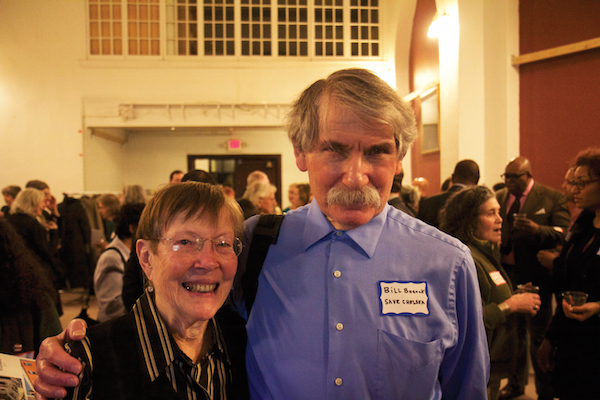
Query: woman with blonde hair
x=24 y=213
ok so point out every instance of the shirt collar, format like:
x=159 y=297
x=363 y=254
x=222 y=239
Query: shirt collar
x=366 y=236
x=158 y=345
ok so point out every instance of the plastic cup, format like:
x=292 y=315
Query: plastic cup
x=574 y=298
x=527 y=289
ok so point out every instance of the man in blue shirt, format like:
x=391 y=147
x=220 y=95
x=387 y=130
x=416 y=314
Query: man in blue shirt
x=357 y=299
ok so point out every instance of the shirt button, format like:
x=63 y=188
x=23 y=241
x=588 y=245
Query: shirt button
x=338 y=382
x=339 y=326
x=337 y=274
x=339 y=233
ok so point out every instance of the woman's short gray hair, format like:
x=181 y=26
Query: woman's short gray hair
x=362 y=93
x=258 y=190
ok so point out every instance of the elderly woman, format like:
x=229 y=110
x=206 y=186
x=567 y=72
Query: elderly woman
x=24 y=213
x=574 y=330
x=262 y=195
x=473 y=216
x=170 y=345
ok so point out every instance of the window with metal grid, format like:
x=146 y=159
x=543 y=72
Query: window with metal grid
x=364 y=28
x=256 y=27
x=292 y=28
x=329 y=27
x=105 y=34
x=143 y=27
x=235 y=28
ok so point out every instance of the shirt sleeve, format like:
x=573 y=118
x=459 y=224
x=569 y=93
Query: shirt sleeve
x=81 y=351
x=465 y=369
x=108 y=284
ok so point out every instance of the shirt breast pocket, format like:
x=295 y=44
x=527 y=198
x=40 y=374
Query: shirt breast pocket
x=406 y=369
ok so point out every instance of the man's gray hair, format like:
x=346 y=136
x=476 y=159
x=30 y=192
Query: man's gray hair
x=355 y=90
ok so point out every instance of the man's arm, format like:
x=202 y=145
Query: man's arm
x=560 y=217
x=465 y=368
x=51 y=381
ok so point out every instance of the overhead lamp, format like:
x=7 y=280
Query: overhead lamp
x=438 y=25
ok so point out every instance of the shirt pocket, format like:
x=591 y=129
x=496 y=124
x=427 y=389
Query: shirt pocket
x=406 y=369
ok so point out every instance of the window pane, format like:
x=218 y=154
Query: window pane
x=94 y=46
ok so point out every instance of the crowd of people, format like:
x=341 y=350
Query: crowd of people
x=354 y=297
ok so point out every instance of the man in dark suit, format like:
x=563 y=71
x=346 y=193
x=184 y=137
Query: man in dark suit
x=534 y=218
x=466 y=173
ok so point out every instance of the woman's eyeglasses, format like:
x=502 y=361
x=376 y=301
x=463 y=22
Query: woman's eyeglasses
x=581 y=184
x=224 y=247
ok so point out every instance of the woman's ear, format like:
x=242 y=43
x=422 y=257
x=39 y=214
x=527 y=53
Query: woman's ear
x=142 y=247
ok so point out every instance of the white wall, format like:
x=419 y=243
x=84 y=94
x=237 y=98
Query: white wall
x=479 y=87
x=51 y=94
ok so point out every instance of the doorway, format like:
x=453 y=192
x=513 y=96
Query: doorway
x=232 y=170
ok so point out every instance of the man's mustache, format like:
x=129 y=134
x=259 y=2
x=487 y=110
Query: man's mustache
x=366 y=196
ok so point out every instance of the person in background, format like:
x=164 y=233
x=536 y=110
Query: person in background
x=175 y=177
x=473 y=216
x=298 y=195
x=134 y=194
x=256 y=176
x=50 y=215
x=446 y=184
x=340 y=266
x=24 y=213
x=199 y=175
x=570 y=351
x=534 y=218
x=411 y=196
x=466 y=174
x=27 y=297
x=9 y=193
x=395 y=199
x=108 y=206
x=228 y=191
x=262 y=195
x=108 y=275
x=422 y=185
x=248 y=207
x=546 y=257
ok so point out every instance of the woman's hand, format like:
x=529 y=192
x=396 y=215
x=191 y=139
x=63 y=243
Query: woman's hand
x=580 y=313
x=526 y=303
x=545 y=356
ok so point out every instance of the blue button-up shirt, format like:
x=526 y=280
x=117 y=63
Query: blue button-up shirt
x=389 y=310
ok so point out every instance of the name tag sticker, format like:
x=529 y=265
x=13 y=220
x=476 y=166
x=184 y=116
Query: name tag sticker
x=497 y=278
x=408 y=298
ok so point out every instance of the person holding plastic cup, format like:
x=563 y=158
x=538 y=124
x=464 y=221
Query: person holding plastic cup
x=571 y=349
x=473 y=216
